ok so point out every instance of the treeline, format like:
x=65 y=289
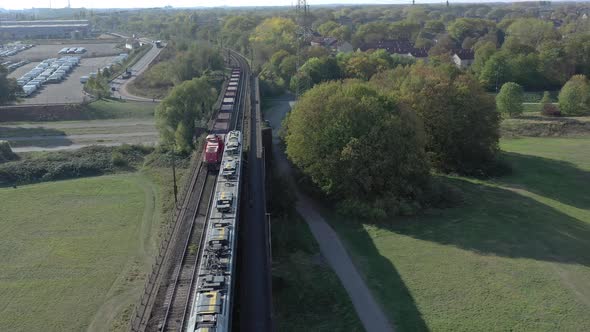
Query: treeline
x=537 y=45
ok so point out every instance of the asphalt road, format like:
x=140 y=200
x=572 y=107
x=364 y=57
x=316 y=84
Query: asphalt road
x=255 y=298
x=139 y=67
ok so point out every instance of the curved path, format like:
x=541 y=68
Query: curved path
x=368 y=310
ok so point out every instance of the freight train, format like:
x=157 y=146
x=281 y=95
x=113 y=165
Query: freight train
x=214 y=142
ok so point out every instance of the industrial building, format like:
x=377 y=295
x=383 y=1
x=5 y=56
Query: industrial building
x=44 y=29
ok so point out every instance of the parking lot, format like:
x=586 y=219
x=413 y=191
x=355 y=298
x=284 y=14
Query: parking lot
x=41 y=52
x=67 y=91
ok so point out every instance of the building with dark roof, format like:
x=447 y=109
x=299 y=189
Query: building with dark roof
x=463 y=58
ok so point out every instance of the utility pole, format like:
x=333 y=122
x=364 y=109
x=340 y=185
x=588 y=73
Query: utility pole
x=174 y=177
x=304 y=35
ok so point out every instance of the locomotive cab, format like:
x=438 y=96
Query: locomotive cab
x=213 y=151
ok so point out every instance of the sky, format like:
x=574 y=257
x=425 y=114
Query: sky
x=20 y=4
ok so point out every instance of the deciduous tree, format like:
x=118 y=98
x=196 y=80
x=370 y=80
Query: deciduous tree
x=355 y=142
x=176 y=115
x=574 y=97
x=509 y=100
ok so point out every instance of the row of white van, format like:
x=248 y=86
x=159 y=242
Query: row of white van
x=13 y=49
x=13 y=65
x=72 y=50
x=48 y=71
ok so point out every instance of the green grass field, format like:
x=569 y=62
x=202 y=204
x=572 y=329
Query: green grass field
x=74 y=253
x=116 y=109
x=514 y=256
x=307 y=295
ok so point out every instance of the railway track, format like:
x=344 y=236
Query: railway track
x=179 y=294
x=174 y=295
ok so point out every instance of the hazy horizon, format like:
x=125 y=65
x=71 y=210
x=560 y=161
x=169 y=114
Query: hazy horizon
x=105 y=4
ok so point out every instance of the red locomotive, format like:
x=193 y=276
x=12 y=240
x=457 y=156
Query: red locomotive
x=213 y=151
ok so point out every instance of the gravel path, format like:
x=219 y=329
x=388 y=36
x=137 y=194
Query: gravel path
x=368 y=310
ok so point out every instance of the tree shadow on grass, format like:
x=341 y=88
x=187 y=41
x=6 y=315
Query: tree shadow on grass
x=37 y=136
x=559 y=180
x=495 y=221
x=384 y=280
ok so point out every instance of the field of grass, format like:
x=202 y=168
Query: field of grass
x=116 y=109
x=74 y=253
x=307 y=294
x=514 y=256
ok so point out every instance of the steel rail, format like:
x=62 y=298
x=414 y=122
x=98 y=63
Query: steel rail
x=185 y=258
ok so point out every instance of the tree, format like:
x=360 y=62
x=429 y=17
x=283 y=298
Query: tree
x=98 y=87
x=496 y=71
x=574 y=97
x=483 y=53
x=509 y=100
x=321 y=69
x=530 y=32
x=176 y=115
x=274 y=34
x=460 y=118
x=354 y=142
x=236 y=31
x=8 y=87
x=469 y=27
x=6 y=153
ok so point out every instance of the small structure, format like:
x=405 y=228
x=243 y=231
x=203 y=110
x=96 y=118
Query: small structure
x=331 y=43
x=327 y=42
x=132 y=44
x=463 y=58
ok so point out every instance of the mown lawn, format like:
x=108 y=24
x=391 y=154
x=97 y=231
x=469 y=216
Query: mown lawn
x=514 y=256
x=74 y=253
x=307 y=295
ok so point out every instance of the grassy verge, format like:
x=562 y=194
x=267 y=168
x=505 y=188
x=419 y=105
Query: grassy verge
x=307 y=295
x=514 y=256
x=116 y=109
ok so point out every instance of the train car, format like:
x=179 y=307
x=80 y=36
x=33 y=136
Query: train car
x=214 y=291
x=213 y=151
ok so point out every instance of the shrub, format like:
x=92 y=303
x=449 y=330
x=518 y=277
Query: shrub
x=6 y=153
x=550 y=110
x=118 y=160
x=87 y=161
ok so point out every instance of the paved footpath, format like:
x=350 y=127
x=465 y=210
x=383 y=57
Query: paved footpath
x=368 y=310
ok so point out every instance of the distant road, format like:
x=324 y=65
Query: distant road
x=139 y=67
